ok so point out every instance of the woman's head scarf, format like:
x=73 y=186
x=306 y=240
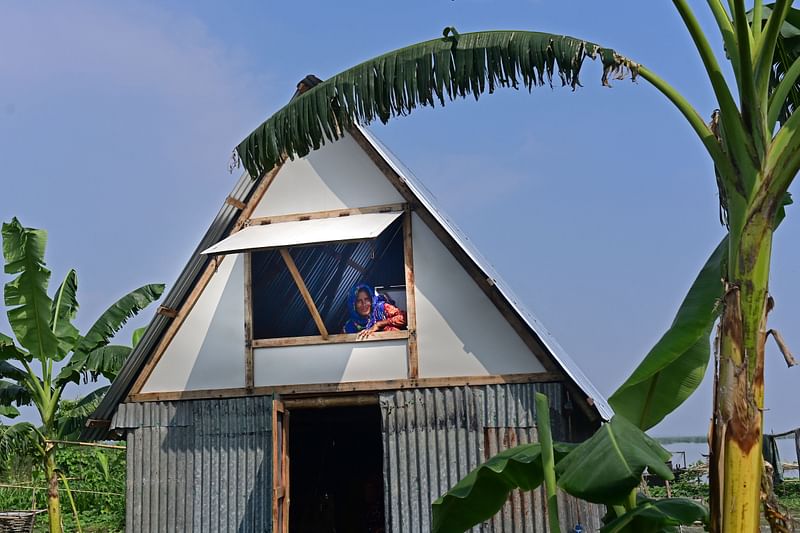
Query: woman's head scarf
x=377 y=311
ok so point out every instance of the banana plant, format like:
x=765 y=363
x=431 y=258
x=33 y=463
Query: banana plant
x=605 y=469
x=45 y=340
x=752 y=145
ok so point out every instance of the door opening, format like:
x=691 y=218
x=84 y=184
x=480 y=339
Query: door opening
x=336 y=470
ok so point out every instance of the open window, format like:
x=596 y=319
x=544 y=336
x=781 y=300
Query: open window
x=300 y=273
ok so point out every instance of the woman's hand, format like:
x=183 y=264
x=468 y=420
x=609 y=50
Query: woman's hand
x=364 y=333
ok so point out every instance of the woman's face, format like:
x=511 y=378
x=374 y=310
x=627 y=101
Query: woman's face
x=363 y=303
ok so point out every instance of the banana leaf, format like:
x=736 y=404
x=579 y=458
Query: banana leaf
x=105 y=361
x=479 y=495
x=655 y=516
x=26 y=295
x=675 y=366
x=65 y=307
x=423 y=74
x=609 y=465
x=117 y=315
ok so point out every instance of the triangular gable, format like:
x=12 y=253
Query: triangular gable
x=350 y=181
x=466 y=324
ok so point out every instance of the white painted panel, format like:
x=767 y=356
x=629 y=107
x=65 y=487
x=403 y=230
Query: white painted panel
x=459 y=330
x=208 y=350
x=320 y=230
x=331 y=363
x=337 y=176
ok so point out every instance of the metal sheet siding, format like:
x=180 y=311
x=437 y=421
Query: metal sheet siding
x=201 y=465
x=434 y=437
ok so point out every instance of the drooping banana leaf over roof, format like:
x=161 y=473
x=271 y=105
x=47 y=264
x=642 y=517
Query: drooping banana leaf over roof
x=395 y=83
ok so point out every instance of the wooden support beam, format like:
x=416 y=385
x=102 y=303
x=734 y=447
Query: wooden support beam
x=411 y=309
x=349 y=387
x=321 y=402
x=238 y=204
x=248 y=321
x=338 y=338
x=301 y=285
x=348 y=261
x=210 y=269
x=331 y=213
x=168 y=312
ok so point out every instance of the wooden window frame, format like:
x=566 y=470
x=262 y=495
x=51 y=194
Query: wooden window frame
x=325 y=337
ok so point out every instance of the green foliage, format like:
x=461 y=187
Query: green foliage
x=787 y=51
x=98 y=490
x=65 y=307
x=483 y=491
x=605 y=469
x=656 y=516
x=674 y=367
x=609 y=465
x=43 y=327
x=788 y=494
x=103 y=361
x=395 y=83
x=29 y=306
x=73 y=413
x=116 y=316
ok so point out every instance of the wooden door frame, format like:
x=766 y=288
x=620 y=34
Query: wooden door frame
x=280 y=467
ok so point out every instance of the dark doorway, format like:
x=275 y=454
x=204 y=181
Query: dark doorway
x=336 y=470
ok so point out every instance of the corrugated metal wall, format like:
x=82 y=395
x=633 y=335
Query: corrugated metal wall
x=434 y=437
x=200 y=465
x=205 y=465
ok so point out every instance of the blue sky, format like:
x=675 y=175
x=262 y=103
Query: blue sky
x=598 y=207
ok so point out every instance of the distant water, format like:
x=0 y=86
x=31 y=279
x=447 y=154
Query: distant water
x=694 y=452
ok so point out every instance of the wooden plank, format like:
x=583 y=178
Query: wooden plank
x=350 y=387
x=285 y=471
x=350 y=262
x=301 y=285
x=248 y=321
x=331 y=213
x=529 y=337
x=323 y=402
x=411 y=308
x=238 y=204
x=277 y=486
x=200 y=285
x=168 y=312
x=338 y=338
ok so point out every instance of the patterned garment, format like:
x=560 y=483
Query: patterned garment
x=383 y=309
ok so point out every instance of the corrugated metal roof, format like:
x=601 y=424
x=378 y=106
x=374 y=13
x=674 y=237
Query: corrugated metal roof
x=427 y=199
x=221 y=227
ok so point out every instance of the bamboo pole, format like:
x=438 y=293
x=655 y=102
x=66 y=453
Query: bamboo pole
x=89 y=444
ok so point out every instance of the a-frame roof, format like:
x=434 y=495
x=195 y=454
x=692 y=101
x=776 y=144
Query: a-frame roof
x=418 y=196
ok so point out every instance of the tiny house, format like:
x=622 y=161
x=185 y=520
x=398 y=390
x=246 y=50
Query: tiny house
x=247 y=407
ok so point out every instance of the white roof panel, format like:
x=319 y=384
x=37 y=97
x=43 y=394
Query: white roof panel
x=303 y=232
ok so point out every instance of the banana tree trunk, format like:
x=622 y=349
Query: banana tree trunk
x=53 y=503
x=737 y=465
